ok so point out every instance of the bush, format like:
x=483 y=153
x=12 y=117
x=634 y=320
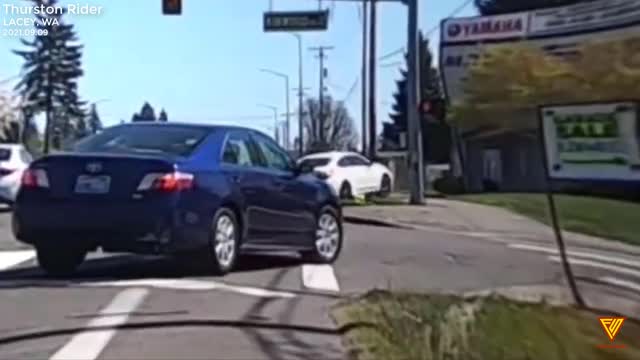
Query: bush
x=449 y=185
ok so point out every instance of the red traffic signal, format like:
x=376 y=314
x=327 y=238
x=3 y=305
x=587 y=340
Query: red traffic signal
x=172 y=7
x=435 y=107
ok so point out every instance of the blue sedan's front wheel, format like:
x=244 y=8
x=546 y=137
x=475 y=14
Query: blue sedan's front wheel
x=328 y=240
x=223 y=243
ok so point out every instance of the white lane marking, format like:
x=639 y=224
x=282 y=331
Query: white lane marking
x=319 y=277
x=594 y=264
x=194 y=285
x=9 y=259
x=621 y=283
x=89 y=344
x=586 y=255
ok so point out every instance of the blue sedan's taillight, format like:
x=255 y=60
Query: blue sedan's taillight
x=35 y=178
x=170 y=182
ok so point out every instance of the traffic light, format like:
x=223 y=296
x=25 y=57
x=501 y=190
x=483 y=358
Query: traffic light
x=434 y=107
x=172 y=7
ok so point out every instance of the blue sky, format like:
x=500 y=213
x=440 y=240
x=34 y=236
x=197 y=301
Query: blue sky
x=203 y=66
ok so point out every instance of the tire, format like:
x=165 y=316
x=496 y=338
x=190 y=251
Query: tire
x=60 y=261
x=345 y=191
x=385 y=186
x=327 y=221
x=224 y=241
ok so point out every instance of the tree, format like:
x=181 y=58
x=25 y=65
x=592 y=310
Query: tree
x=496 y=7
x=509 y=82
x=146 y=114
x=10 y=118
x=163 y=116
x=435 y=133
x=94 y=122
x=52 y=66
x=339 y=127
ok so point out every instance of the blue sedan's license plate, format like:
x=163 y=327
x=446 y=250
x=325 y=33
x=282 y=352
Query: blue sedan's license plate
x=87 y=184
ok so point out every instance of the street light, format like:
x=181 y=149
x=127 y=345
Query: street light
x=300 y=92
x=285 y=143
x=275 y=118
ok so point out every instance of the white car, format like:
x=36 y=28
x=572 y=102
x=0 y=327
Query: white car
x=14 y=159
x=350 y=174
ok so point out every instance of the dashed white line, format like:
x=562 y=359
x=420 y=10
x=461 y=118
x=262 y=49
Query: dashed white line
x=578 y=254
x=594 y=264
x=319 y=277
x=89 y=344
x=9 y=259
x=621 y=283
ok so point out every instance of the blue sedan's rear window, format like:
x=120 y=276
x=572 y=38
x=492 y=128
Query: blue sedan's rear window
x=169 y=140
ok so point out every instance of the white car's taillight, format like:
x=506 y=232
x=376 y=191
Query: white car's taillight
x=166 y=182
x=34 y=178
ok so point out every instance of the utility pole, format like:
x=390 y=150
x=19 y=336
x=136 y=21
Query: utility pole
x=372 y=82
x=320 y=126
x=416 y=165
x=300 y=93
x=365 y=16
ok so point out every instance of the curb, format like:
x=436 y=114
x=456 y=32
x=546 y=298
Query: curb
x=376 y=222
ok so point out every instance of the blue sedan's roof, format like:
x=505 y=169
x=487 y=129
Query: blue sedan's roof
x=186 y=125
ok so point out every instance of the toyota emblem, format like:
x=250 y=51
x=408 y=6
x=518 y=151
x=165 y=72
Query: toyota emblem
x=93 y=168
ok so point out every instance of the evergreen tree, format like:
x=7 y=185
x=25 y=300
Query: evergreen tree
x=146 y=114
x=496 y=7
x=163 y=116
x=52 y=66
x=435 y=133
x=94 y=122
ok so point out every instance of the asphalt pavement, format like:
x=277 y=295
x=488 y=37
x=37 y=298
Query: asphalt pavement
x=275 y=307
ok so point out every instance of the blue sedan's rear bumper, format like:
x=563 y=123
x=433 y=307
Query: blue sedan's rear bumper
x=114 y=227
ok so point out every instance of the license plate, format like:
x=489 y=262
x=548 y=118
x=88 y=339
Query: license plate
x=87 y=184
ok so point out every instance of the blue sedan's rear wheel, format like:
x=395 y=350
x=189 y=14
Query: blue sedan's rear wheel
x=223 y=243
x=60 y=261
x=328 y=239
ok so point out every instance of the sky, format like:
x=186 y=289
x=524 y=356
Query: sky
x=203 y=66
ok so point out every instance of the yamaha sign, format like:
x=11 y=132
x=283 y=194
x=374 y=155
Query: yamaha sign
x=485 y=28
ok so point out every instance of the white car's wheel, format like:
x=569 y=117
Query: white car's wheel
x=385 y=186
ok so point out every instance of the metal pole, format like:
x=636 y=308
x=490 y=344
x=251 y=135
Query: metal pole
x=365 y=16
x=288 y=119
x=372 y=81
x=573 y=286
x=416 y=166
x=300 y=91
x=275 y=125
x=321 y=99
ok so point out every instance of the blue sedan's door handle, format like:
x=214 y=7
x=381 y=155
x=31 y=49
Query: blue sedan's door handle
x=236 y=178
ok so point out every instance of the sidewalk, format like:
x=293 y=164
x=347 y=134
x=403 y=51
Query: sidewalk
x=475 y=220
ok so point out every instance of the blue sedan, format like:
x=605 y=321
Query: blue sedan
x=175 y=189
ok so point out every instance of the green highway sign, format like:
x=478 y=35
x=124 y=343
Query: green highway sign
x=296 y=20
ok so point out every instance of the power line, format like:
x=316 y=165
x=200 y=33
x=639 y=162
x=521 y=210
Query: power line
x=428 y=34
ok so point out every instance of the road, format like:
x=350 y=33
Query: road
x=271 y=308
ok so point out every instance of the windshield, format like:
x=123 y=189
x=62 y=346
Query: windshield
x=315 y=162
x=320 y=179
x=168 y=140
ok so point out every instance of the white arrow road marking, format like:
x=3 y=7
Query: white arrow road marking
x=622 y=283
x=89 y=344
x=186 y=284
x=319 y=277
x=594 y=264
x=9 y=259
x=585 y=255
